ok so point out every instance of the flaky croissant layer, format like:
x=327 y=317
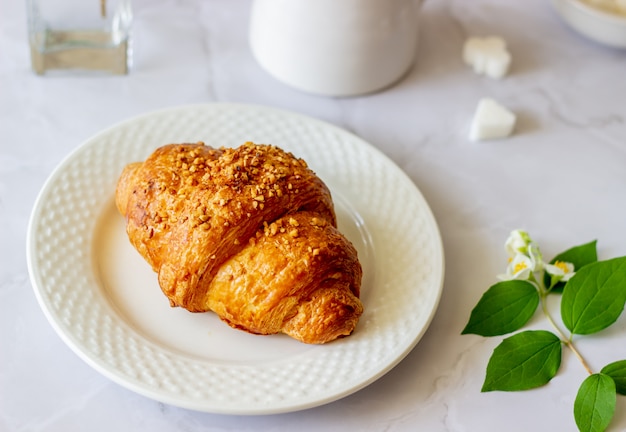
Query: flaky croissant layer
x=248 y=233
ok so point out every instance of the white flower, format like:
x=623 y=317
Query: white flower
x=517 y=242
x=520 y=267
x=535 y=256
x=560 y=271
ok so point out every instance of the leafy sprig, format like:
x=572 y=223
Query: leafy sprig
x=593 y=298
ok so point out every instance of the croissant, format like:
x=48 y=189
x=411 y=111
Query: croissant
x=249 y=233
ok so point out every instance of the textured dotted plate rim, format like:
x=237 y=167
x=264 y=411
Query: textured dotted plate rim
x=407 y=281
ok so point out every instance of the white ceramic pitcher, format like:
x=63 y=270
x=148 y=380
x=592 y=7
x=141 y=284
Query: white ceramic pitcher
x=335 y=47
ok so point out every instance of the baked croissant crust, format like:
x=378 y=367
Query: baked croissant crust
x=249 y=233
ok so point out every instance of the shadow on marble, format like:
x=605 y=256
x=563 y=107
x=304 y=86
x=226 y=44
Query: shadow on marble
x=527 y=123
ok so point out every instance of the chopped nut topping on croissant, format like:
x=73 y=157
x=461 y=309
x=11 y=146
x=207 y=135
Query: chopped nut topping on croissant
x=248 y=233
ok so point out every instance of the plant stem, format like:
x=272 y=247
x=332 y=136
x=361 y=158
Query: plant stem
x=567 y=341
x=571 y=346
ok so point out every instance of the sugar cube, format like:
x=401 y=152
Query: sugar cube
x=488 y=56
x=491 y=121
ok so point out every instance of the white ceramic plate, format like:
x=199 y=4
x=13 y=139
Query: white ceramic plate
x=105 y=303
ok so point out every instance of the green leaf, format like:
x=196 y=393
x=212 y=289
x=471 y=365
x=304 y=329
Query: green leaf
x=580 y=256
x=595 y=403
x=503 y=308
x=617 y=371
x=523 y=361
x=594 y=297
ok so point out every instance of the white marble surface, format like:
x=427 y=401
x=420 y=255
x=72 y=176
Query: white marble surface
x=562 y=176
